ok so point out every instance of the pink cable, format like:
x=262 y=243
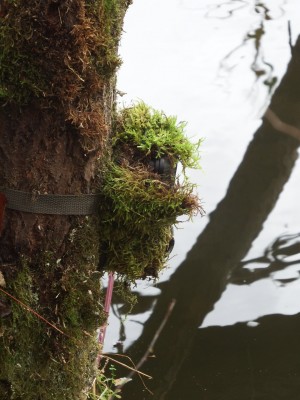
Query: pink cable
x=108 y=297
x=110 y=288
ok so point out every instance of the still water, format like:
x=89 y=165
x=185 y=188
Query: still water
x=234 y=334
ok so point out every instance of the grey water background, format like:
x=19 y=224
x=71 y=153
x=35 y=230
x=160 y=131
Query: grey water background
x=215 y=65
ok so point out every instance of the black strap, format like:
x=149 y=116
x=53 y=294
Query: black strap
x=81 y=204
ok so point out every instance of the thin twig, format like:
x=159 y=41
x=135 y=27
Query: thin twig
x=153 y=341
x=156 y=336
x=34 y=313
x=143 y=383
x=133 y=370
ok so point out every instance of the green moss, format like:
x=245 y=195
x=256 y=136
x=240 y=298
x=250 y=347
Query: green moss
x=156 y=134
x=20 y=76
x=135 y=194
x=136 y=255
x=66 y=292
x=139 y=205
x=109 y=14
x=46 y=54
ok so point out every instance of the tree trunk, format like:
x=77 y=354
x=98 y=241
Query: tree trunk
x=199 y=281
x=57 y=88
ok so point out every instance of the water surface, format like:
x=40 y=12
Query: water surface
x=215 y=64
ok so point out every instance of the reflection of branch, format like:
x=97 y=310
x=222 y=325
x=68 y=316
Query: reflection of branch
x=281 y=126
x=200 y=279
x=261 y=8
x=230 y=12
x=290 y=36
x=133 y=370
x=156 y=336
x=259 y=66
x=122 y=333
x=274 y=260
x=245 y=276
x=285 y=246
x=150 y=348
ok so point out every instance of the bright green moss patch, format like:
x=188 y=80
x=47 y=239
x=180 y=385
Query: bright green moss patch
x=155 y=134
x=140 y=204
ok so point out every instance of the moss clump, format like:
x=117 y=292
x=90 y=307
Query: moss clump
x=152 y=134
x=138 y=195
x=140 y=204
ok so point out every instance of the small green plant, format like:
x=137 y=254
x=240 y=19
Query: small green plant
x=105 y=385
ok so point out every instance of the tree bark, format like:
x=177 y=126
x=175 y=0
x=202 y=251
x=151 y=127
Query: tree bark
x=199 y=281
x=57 y=91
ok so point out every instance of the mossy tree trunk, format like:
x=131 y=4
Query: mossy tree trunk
x=58 y=60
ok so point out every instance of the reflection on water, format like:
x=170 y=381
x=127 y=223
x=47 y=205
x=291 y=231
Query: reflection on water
x=262 y=68
x=280 y=256
x=246 y=347
x=225 y=9
x=265 y=285
x=241 y=362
